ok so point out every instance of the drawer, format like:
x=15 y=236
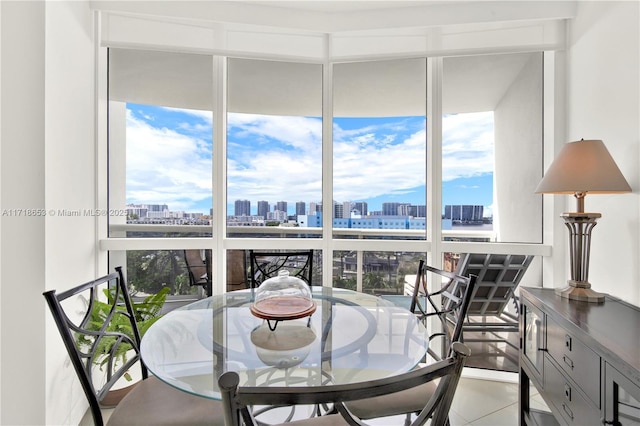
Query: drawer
x=578 y=361
x=573 y=407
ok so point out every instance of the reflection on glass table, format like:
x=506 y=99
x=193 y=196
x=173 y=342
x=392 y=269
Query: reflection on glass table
x=350 y=337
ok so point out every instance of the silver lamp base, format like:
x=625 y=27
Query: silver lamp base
x=580 y=225
x=580 y=291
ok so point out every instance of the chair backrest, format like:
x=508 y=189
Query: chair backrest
x=267 y=264
x=498 y=276
x=237 y=399
x=98 y=326
x=199 y=267
x=236 y=270
x=454 y=292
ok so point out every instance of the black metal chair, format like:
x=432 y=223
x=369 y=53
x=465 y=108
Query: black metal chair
x=98 y=325
x=266 y=264
x=199 y=267
x=443 y=312
x=237 y=400
x=448 y=305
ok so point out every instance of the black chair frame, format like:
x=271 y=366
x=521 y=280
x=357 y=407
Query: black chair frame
x=267 y=264
x=455 y=298
x=238 y=400
x=84 y=360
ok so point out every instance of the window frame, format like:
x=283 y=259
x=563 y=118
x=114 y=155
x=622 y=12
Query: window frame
x=111 y=250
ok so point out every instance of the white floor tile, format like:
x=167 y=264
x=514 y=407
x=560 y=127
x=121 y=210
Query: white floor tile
x=475 y=399
x=477 y=402
x=507 y=416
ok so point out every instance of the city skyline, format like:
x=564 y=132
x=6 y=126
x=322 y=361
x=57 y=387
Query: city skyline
x=241 y=207
x=169 y=159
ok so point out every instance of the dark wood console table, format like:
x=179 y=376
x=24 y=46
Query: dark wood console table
x=583 y=359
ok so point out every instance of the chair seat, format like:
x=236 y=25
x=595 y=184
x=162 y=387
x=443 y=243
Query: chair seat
x=153 y=402
x=406 y=401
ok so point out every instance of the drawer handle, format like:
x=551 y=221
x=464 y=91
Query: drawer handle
x=567 y=410
x=567 y=341
x=567 y=392
x=567 y=361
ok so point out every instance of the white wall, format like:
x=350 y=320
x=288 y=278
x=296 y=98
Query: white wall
x=22 y=262
x=603 y=97
x=48 y=163
x=70 y=173
x=518 y=135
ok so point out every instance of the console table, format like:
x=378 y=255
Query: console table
x=583 y=359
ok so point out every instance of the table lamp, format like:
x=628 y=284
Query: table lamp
x=582 y=167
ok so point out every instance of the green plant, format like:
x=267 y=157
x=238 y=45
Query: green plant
x=146 y=312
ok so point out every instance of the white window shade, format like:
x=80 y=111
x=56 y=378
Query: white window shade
x=393 y=87
x=179 y=80
x=274 y=88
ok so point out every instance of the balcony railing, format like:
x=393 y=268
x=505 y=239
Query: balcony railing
x=360 y=266
x=163 y=231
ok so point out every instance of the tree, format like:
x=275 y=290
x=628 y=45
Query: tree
x=149 y=271
x=372 y=280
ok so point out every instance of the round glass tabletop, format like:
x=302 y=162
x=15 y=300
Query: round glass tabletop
x=350 y=337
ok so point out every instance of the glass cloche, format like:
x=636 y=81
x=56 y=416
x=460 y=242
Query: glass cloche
x=283 y=298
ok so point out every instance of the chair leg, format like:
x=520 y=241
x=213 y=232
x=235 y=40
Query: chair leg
x=407 y=420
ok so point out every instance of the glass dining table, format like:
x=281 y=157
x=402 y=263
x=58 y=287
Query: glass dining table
x=350 y=337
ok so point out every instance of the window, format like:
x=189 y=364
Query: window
x=274 y=149
x=388 y=207
x=375 y=272
x=492 y=148
x=379 y=150
x=160 y=144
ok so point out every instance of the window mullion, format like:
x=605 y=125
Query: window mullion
x=327 y=164
x=434 y=159
x=219 y=173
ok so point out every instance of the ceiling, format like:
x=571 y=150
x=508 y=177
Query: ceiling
x=331 y=6
x=333 y=17
x=471 y=83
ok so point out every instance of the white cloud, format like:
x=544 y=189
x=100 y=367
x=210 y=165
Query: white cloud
x=164 y=166
x=289 y=171
x=467 y=148
x=370 y=161
x=378 y=168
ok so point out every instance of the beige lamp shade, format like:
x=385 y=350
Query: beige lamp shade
x=583 y=166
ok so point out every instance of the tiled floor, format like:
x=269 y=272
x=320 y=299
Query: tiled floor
x=477 y=402
x=485 y=402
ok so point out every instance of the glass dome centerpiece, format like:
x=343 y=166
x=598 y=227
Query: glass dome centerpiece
x=282 y=298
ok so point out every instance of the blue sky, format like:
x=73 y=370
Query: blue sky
x=275 y=158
